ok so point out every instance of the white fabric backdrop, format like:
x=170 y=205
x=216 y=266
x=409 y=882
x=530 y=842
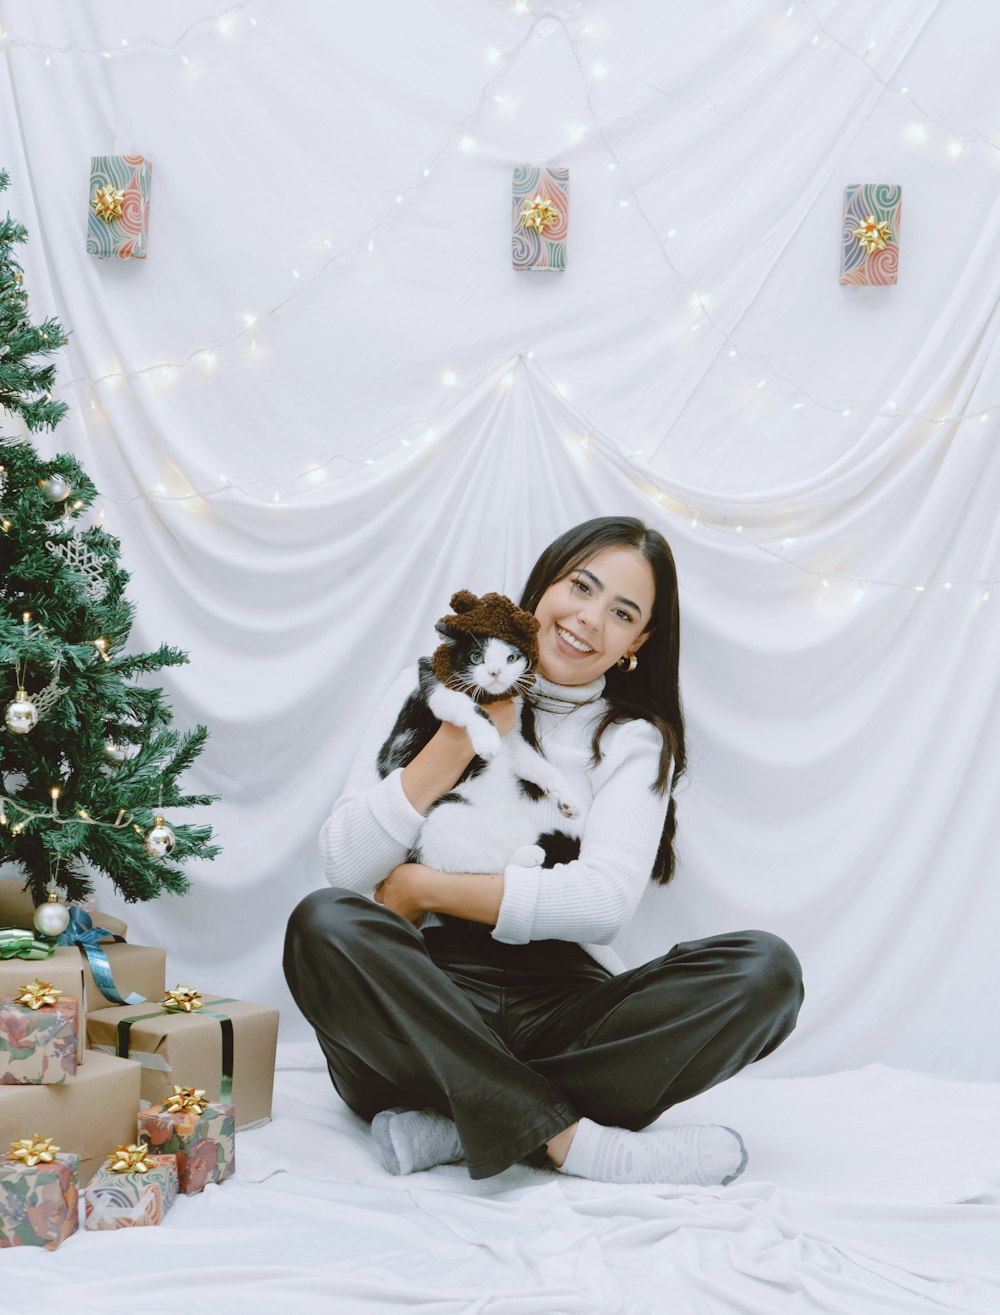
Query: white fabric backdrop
x=326 y=401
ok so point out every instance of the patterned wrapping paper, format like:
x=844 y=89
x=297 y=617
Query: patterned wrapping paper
x=124 y=238
x=38 y=1046
x=205 y=1144
x=859 y=265
x=131 y=1200
x=38 y=1203
x=531 y=248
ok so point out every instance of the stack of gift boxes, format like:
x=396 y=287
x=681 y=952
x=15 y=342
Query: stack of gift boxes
x=124 y=1104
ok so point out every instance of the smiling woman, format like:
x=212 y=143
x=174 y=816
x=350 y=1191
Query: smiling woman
x=504 y=1027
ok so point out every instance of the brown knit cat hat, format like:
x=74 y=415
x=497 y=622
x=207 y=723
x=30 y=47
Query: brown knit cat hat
x=491 y=616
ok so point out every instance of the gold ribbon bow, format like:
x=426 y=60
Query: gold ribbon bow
x=33 y=1150
x=186 y=1100
x=36 y=994
x=182 y=999
x=539 y=214
x=873 y=234
x=108 y=203
x=131 y=1159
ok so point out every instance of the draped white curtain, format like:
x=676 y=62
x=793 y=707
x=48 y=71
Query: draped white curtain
x=325 y=401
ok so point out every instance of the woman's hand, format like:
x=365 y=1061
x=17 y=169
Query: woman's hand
x=401 y=892
x=503 y=715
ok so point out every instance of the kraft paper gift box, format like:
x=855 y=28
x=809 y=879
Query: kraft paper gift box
x=204 y=1143
x=187 y=1049
x=131 y=1200
x=64 y=971
x=135 y=968
x=118 y=222
x=539 y=217
x=17 y=909
x=869 y=234
x=38 y=1046
x=86 y=1117
x=38 y=1202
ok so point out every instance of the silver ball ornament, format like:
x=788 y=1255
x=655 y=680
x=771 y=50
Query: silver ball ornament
x=55 y=488
x=52 y=917
x=160 y=841
x=21 y=715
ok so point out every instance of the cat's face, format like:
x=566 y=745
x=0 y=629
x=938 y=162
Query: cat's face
x=486 y=666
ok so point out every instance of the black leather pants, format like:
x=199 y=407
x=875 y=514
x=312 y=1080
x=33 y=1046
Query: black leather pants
x=515 y=1042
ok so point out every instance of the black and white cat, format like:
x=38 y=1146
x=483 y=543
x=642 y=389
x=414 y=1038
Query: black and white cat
x=486 y=821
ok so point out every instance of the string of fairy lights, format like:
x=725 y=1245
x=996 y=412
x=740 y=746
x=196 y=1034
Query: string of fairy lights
x=228 y=27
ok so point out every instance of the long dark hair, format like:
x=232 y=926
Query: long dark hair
x=652 y=691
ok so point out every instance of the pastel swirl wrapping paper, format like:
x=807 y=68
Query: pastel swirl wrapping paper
x=38 y=1203
x=131 y=1200
x=857 y=265
x=124 y=238
x=530 y=248
x=38 y=1046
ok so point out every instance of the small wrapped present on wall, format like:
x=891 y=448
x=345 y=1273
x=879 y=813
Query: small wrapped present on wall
x=96 y=1110
x=540 y=216
x=38 y=1194
x=201 y=1133
x=134 y=1189
x=119 y=206
x=869 y=235
x=224 y=1046
x=39 y=1035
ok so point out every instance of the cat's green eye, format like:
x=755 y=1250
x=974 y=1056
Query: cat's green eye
x=511 y=657
x=476 y=658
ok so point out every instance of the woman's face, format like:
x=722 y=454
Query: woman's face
x=594 y=615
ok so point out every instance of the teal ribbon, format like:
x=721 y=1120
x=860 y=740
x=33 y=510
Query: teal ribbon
x=16 y=943
x=82 y=933
x=123 y=1039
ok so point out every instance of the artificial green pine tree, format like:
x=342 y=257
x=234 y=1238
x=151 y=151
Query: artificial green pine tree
x=90 y=760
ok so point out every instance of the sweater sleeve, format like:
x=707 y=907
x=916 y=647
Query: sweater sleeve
x=592 y=898
x=372 y=826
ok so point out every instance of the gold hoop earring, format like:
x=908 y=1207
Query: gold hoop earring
x=628 y=665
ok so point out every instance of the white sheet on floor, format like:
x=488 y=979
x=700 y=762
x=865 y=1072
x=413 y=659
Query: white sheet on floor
x=873 y=1192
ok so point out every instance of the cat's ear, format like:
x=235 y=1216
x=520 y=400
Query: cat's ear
x=464 y=601
x=445 y=630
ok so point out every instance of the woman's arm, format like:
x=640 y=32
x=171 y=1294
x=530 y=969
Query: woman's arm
x=412 y=889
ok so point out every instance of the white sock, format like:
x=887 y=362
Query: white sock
x=704 y=1154
x=411 y=1140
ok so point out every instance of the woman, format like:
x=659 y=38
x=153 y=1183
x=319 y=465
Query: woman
x=508 y=1030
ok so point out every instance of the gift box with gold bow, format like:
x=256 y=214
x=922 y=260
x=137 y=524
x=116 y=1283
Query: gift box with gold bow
x=133 y=1189
x=224 y=1046
x=539 y=216
x=201 y=1133
x=39 y=1034
x=38 y=1193
x=119 y=206
x=869 y=233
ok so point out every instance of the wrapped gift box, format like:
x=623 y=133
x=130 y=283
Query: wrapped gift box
x=131 y=1200
x=182 y=1048
x=64 y=970
x=17 y=909
x=205 y=1143
x=96 y=1110
x=539 y=217
x=135 y=968
x=869 y=233
x=38 y=1202
x=38 y=1046
x=119 y=187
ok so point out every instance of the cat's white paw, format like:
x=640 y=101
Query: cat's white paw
x=567 y=805
x=528 y=856
x=485 y=738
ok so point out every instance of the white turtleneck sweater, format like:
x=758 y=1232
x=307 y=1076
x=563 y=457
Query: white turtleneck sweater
x=373 y=826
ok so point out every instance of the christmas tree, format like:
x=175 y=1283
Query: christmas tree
x=89 y=760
